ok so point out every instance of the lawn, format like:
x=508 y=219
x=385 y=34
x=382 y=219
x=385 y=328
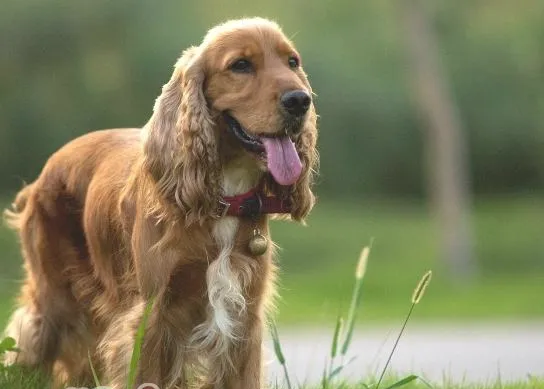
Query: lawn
x=317 y=262
x=16 y=379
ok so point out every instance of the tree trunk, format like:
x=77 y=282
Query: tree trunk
x=447 y=170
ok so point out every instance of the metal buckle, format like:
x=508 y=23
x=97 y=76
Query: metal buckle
x=222 y=209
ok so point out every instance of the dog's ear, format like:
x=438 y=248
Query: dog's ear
x=301 y=193
x=180 y=149
x=302 y=196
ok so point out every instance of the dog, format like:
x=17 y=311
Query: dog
x=171 y=219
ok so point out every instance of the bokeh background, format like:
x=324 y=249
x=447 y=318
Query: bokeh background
x=431 y=137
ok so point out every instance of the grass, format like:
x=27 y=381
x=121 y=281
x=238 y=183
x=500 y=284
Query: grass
x=13 y=378
x=337 y=360
x=333 y=368
x=315 y=260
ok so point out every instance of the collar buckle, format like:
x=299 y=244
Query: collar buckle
x=251 y=207
x=222 y=209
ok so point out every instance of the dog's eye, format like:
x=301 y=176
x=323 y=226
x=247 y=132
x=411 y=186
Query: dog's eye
x=241 y=66
x=294 y=62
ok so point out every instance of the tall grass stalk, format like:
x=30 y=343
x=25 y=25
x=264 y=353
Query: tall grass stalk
x=355 y=298
x=343 y=334
x=328 y=370
x=334 y=347
x=138 y=342
x=279 y=353
x=419 y=291
x=93 y=371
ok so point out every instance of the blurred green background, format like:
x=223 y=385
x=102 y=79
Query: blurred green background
x=70 y=67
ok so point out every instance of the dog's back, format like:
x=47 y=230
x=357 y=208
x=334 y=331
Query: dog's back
x=51 y=216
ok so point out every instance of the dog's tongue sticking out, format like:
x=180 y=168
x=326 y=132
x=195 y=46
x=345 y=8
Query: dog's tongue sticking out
x=283 y=161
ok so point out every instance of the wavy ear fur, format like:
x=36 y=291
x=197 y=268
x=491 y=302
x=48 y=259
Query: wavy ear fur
x=180 y=149
x=302 y=196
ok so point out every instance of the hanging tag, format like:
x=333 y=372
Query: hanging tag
x=258 y=244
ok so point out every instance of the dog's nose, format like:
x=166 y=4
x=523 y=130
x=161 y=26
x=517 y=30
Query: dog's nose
x=296 y=102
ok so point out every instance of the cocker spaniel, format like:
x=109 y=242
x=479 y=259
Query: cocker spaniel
x=175 y=213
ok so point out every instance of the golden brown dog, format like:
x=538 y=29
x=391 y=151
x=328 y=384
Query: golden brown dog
x=121 y=217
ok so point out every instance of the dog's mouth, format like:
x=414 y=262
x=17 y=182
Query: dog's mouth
x=280 y=152
x=249 y=142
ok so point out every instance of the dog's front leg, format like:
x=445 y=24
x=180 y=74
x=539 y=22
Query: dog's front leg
x=248 y=372
x=241 y=367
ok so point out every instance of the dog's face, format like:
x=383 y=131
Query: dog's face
x=241 y=93
x=255 y=81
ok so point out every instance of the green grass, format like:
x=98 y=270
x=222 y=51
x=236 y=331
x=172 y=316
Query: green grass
x=16 y=378
x=530 y=383
x=317 y=260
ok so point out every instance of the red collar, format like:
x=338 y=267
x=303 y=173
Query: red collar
x=252 y=204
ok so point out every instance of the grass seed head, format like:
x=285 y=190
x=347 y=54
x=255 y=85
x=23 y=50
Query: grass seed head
x=421 y=286
x=361 y=265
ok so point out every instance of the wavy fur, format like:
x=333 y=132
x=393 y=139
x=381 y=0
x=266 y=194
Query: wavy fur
x=118 y=217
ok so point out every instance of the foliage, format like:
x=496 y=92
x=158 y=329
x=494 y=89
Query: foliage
x=70 y=67
x=14 y=377
x=333 y=369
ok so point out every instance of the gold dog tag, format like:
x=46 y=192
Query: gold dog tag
x=258 y=244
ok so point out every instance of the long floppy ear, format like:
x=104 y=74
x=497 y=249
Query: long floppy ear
x=301 y=194
x=302 y=197
x=180 y=149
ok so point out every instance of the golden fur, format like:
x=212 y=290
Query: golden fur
x=119 y=217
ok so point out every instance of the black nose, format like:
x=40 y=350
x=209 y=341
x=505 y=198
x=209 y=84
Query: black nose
x=296 y=102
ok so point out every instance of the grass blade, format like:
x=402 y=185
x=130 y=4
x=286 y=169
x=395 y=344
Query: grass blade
x=7 y=344
x=404 y=381
x=355 y=298
x=324 y=378
x=279 y=352
x=138 y=341
x=95 y=377
x=339 y=369
x=277 y=345
x=416 y=297
x=425 y=382
x=337 y=331
x=327 y=373
x=351 y=317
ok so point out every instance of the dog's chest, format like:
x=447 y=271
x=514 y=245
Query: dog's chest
x=230 y=277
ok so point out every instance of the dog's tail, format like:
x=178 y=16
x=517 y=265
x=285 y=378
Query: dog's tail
x=13 y=215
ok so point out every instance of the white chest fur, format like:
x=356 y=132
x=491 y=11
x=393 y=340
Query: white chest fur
x=226 y=283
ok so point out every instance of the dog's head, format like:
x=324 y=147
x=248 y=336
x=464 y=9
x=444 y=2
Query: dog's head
x=241 y=94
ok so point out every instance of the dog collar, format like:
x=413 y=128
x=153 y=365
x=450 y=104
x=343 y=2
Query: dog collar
x=252 y=204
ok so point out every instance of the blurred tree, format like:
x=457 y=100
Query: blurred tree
x=448 y=175
x=67 y=68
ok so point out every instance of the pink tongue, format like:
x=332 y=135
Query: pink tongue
x=283 y=160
